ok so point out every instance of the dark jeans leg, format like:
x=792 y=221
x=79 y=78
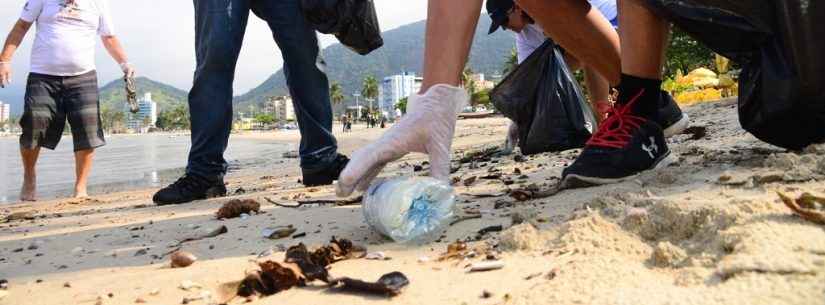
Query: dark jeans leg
x=307 y=83
x=219 y=32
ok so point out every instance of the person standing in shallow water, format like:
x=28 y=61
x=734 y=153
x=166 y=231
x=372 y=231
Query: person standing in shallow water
x=62 y=84
x=220 y=26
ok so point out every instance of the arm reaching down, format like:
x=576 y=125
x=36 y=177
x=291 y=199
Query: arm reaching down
x=429 y=124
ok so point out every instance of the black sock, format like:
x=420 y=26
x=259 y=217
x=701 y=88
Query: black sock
x=647 y=103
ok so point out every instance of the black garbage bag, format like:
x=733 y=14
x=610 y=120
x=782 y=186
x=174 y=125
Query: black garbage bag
x=544 y=99
x=353 y=22
x=781 y=48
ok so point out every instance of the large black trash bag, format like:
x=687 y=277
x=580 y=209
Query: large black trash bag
x=546 y=103
x=781 y=48
x=353 y=22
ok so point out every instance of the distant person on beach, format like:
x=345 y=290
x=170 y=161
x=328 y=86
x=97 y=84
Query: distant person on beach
x=62 y=83
x=612 y=153
x=219 y=32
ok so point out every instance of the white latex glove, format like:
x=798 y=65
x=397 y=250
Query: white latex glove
x=428 y=127
x=5 y=74
x=128 y=69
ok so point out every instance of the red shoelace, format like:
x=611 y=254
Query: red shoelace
x=617 y=129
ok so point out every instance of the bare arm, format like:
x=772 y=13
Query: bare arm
x=18 y=32
x=115 y=49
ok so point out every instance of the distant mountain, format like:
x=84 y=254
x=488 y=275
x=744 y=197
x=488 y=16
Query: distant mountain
x=403 y=50
x=113 y=94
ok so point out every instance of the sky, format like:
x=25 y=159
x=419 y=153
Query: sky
x=159 y=38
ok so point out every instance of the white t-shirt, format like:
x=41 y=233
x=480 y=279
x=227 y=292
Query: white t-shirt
x=528 y=40
x=66 y=34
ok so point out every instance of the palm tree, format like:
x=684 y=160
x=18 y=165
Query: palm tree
x=511 y=63
x=336 y=93
x=370 y=89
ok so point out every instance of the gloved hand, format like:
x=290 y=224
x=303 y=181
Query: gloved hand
x=128 y=69
x=428 y=127
x=5 y=74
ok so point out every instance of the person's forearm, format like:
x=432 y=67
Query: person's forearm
x=115 y=49
x=18 y=32
x=450 y=29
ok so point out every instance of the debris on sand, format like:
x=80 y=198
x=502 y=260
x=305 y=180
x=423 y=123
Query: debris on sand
x=806 y=207
x=26 y=215
x=470 y=181
x=696 y=132
x=485 y=266
x=279 y=232
x=389 y=284
x=378 y=256
x=531 y=194
x=182 y=259
x=235 y=207
x=272 y=278
x=460 y=250
x=301 y=203
x=218 y=231
x=457 y=249
x=188 y=285
x=302 y=266
x=483 y=155
x=490 y=229
x=464 y=218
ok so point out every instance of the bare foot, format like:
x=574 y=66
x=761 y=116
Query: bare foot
x=27 y=192
x=80 y=194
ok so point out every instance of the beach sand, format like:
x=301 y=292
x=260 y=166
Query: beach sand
x=707 y=229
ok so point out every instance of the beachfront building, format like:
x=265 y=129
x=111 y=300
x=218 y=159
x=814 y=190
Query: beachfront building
x=281 y=108
x=5 y=112
x=394 y=88
x=145 y=118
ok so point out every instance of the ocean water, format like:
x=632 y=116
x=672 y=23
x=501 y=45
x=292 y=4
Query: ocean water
x=126 y=162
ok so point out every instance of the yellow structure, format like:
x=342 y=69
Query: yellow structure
x=243 y=124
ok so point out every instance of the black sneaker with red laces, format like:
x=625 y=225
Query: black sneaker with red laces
x=624 y=146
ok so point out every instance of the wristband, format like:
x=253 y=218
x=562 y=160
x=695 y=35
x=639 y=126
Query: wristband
x=5 y=62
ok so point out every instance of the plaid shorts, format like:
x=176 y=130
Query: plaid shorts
x=51 y=100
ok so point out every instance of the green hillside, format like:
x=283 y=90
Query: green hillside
x=113 y=95
x=403 y=50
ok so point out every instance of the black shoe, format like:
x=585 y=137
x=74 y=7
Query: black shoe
x=189 y=188
x=327 y=175
x=670 y=117
x=624 y=146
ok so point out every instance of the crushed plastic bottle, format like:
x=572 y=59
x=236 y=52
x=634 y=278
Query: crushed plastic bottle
x=409 y=209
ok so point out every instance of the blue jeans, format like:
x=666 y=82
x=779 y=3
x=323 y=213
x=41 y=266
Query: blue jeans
x=219 y=32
